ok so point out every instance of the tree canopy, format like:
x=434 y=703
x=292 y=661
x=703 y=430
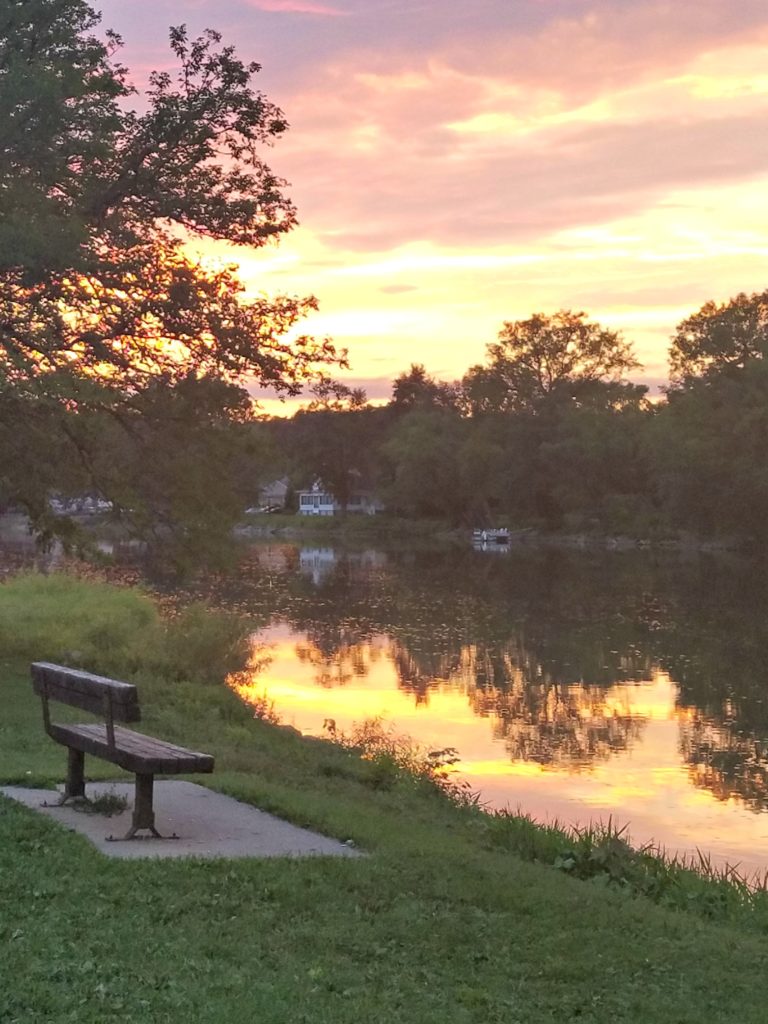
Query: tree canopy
x=549 y=435
x=59 y=115
x=76 y=158
x=720 y=337
x=101 y=301
x=546 y=356
x=124 y=297
x=418 y=389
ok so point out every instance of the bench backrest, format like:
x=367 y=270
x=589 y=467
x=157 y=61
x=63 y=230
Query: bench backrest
x=97 y=694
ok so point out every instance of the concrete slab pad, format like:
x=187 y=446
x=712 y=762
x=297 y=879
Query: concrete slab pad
x=207 y=823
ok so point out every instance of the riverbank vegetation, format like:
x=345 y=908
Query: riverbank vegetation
x=590 y=457
x=550 y=434
x=443 y=919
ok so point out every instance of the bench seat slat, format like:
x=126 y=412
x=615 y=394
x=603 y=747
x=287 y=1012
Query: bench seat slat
x=133 y=751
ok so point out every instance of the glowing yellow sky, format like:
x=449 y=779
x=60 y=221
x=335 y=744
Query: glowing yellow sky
x=454 y=169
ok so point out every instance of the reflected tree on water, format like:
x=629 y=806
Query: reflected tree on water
x=728 y=764
x=339 y=663
x=540 y=717
x=556 y=725
x=542 y=677
x=715 y=646
x=536 y=640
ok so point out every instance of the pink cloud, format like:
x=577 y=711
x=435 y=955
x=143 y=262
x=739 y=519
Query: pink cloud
x=297 y=7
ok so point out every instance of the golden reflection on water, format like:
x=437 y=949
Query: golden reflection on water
x=569 y=752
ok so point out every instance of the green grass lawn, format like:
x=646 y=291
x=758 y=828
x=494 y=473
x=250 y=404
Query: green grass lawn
x=438 y=924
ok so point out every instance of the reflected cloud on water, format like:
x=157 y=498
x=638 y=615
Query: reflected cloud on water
x=577 y=687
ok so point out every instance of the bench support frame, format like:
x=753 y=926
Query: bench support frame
x=143 y=811
x=74 y=787
x=142 y=755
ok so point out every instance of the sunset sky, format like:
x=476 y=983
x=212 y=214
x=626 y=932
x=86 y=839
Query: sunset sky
x=460 y=164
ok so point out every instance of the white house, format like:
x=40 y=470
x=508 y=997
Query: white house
x=320 y=502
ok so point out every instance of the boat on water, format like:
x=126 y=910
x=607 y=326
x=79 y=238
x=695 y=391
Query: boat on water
x=489 y=537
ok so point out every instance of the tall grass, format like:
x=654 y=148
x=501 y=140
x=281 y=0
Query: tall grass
x=391 y=757
x=117 y=630
x=601 y=853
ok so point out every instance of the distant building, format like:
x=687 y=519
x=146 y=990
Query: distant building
x=81 y=505
x=273 y=494
x=320 y=502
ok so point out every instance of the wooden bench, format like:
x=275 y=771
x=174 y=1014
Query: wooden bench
x=113 y=701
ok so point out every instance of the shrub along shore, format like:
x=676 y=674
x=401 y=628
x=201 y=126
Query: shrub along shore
x=457 y=915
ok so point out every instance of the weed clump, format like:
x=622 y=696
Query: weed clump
x=602 y=853
x=107 y=805
x=394 y=758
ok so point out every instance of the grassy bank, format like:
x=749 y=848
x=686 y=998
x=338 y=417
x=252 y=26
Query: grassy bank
x=443 y=922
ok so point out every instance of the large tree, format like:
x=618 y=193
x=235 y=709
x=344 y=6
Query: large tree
x=544 y=357
x=720 y=337
x=711 y=438
x=710 y=445
x=101 y=303
x=76 y=159
x=59 y=114
x=421 y=456
x=418 y=389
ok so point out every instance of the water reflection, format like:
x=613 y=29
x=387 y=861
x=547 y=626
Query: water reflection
x=575 y=684
x=559 y=725
x=729 y=765
x=340 y=663
x=21 y=551
x=18 y=549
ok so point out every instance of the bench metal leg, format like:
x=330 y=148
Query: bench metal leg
x=143 y=811
x=74 y=787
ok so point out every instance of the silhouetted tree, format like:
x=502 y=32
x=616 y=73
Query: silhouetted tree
x=543 y=357
x=100 y=304
x=418 y=389
x=720 y=337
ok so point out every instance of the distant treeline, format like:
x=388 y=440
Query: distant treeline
x=550 y=433
x=125 y=363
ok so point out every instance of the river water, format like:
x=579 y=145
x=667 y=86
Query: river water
x=577 y=687
x=574 y=686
